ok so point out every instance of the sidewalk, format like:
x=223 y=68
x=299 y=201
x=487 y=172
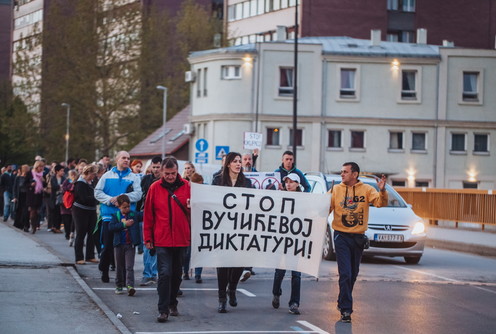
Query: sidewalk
x=477 y=242
x=39 y=295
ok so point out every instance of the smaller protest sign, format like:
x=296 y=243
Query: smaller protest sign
x=252 y=140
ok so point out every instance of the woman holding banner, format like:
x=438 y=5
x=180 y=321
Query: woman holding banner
x=291 y=183
x=228 y=277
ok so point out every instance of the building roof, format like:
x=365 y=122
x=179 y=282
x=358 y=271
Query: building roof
x=345 y=46
x=175 y=137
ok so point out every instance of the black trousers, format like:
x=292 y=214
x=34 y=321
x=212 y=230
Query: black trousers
x=107 y=247
x=228 y=277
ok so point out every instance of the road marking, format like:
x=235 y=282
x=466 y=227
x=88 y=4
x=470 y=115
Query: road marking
x=243 y=291
x=314 y=328
x=472 y=284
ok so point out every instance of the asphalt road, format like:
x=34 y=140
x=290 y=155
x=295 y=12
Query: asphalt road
x=448 y=292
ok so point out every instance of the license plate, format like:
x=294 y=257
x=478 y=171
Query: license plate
x=388 y=237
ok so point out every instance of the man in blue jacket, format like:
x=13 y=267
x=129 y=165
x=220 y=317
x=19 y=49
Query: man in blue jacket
x=288 y=167
x=117 y=181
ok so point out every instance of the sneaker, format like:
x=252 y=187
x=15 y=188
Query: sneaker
x=198 y=279
x=145 y=281
x=119 y=291
x=80 y=262
x=49 y=229
x=245 y=276
x=346 y=317
x=293 y=309
x=275 y=302
x=130 y=291
x=105 y=277
x=162 y=317
x=186 y=277
x=173 y=311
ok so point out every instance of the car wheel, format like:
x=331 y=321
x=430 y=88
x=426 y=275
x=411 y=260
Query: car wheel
x=412 y=259
x=328 y=252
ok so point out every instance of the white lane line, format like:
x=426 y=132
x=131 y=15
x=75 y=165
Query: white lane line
x=314 y=328
x=429 y=274
x=448 y=279
x=229 y=332
x=243 y=291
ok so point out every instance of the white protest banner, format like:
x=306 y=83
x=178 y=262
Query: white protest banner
x=244 y=227
x=264 y=180
x=252 y=140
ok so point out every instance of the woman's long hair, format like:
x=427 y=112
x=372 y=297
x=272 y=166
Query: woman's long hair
x=226 y=179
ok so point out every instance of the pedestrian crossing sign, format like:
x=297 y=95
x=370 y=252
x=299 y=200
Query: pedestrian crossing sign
x=221 y=151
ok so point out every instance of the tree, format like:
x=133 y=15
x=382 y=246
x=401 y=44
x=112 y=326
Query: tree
x=16 y=129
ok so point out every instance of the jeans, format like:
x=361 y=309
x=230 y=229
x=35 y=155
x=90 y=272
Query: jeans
x=7 y=197
x=124 y=265
x=186 y=260
x=198 y=272
x=295 y=285
x=348 y=257
x=169 y=276
x=149 y=264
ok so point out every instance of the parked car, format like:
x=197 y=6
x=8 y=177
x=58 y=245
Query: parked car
x=393 y=231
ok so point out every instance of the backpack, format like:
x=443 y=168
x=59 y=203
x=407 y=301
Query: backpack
x=68 y=199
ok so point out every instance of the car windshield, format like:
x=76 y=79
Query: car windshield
x=394 y=199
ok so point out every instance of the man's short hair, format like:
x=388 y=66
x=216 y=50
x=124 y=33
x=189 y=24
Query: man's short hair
x=169 y=162
x=353 y=165
x=157 y=160
x=58 y=167
x=288 y=153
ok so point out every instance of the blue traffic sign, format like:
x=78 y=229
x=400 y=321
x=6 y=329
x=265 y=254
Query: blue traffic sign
x=221 y=151
x=201 y=145
x=201 y=158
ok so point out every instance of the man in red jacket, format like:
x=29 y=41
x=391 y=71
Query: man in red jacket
x=166 y=229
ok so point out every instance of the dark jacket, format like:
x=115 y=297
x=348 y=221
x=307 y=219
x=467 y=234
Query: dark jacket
x=146 y=182
x=7 y=181
x=33 y=200
x=84 y=195
x=20 y=186
x=116 y=225
x=217 y=181
x=284 y=172
x=56 y=190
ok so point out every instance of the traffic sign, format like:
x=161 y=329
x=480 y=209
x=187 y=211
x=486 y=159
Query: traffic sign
x=201 y=145
x=221 y=151
x=201 y=158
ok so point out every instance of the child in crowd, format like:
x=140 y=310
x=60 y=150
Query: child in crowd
x=292 y=183
x=125 y=225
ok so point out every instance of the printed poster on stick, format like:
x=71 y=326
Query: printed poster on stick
x=252 y=140
x=244 y=227
x=264 y=180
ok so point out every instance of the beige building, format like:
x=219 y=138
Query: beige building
x=422 y=114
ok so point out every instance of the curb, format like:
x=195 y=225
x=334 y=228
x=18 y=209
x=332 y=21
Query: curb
x=462 y=247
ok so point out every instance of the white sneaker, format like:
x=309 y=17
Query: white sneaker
x=245 y=276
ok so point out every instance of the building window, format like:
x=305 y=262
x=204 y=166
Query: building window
x=470 y=185
x=334 y=140
x=481 y=143
x=392 y=4
x=348 y=83
x=407 y=37
x=470 y=86
x=260 y=7
x=253 y=7
x=284 y=4
x=408 y=85
x=229 y=72
x=458 y=142
x=238 y=11
x=273 y=136
x=421 y=184
x=357 y=139
x=299 y=137
x=418 y=141
x=396 y=141
x=246 y=9
x=398 y=183
x=408 y=5
x=286 y=81
x=198 y=86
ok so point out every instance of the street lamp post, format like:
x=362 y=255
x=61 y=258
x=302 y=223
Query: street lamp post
x=164 y=117
x=68 y=109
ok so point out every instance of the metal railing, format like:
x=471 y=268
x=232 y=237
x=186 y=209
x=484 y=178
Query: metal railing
x=457 y=205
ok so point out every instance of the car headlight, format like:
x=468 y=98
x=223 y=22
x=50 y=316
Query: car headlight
x=418 y=228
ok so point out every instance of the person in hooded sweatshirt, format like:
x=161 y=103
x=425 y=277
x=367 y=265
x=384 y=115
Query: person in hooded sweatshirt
x=288 y=167
x=350 y=202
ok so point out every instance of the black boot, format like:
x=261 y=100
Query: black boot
x=233 y=301
x=222 y=307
